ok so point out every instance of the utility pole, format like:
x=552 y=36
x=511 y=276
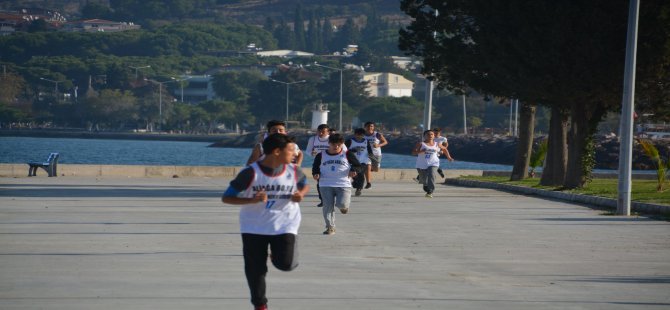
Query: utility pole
x=626 y=129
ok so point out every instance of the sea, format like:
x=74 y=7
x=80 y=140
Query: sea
x=167 y=153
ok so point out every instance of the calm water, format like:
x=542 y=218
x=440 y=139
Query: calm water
x=140 y=152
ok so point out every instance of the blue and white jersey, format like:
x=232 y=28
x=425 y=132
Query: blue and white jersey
x=430 y=158
x=361 y=151
x=334 y=170
x=316 y=144
x=279 y=215
x=374 y=138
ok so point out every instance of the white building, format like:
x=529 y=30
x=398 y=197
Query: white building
x=98 y=25
x=284 y=53
x=385 y=84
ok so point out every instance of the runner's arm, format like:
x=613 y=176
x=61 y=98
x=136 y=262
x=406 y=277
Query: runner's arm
x=382 y=140
x=240 y=184
x=316 y=166
x=416 y=150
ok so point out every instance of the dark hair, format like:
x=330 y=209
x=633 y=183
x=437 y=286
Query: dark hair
x=276 y=141
x=437 y=129
x=368 y=123
x=359 y=131
x=273 y=123
x=322 y=126
x=426 y=131
x=336 y=138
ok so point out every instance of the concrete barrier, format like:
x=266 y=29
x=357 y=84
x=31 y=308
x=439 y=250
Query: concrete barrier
x=142 y=171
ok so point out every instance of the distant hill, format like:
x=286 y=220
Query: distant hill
x=246 y=11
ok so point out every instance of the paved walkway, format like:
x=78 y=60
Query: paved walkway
x=160 y=243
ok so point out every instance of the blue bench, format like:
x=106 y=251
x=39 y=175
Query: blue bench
x=50 y=166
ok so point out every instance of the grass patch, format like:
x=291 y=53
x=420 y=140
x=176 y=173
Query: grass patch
x=641 y=190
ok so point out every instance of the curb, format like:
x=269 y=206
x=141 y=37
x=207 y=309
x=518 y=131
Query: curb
x=602 y=202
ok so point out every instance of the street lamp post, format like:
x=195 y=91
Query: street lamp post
x=181 y=84
x=341 y=70
x=287 y=92
x=160 y=100
x=137 y=68
x=55 y=85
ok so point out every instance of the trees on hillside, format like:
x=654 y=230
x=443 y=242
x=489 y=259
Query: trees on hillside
x=568 y=56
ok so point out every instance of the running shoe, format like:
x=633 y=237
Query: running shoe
x=329 y=231
x=429 y=195
x=261 y=307
x=358 y=192
x=344 y=210
x=368 y=185
x=320 y=204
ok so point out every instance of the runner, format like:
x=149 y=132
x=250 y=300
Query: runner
x=273 y=126
x=269 y=191
x=376 y=141
x=427 y=161
x=360 y=147
x=315 y=145
x=333 y=168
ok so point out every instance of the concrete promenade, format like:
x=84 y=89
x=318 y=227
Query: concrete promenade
x=91 y=242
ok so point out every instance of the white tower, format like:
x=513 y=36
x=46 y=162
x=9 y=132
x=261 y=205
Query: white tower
x=319 y=115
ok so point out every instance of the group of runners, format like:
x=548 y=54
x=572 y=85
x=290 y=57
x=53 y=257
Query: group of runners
x=272 y=185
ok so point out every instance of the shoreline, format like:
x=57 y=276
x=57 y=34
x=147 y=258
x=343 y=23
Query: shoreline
x=471 y=148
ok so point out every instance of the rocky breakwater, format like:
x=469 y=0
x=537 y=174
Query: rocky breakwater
x=481 y=149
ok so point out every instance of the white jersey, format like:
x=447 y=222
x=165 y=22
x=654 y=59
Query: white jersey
x=377 y=151
x=279 y=215
x=429 y=158
x=361 y=151
x=316 y=144
x=334 y=170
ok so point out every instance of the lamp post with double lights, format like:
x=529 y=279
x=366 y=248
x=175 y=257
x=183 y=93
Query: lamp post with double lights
x=287 y=92
x=55 y=85
x=137 y=68
x=160 y=99
x=341 y=70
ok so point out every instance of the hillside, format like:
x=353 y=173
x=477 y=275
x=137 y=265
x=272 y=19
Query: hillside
x=246 y=11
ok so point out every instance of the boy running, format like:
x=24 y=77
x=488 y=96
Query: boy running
x=274 y=126
x=427 y=161
x=376 y=141
x=333 y=168
x=360 y=147
x=315 y=145
x=269 y=191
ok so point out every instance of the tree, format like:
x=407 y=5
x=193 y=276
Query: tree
x=401 y=113
x=535 y=51
x=299 y=28
x=113 y=108
x=38 y=25
x=225 y=112
x=11 y=85
x=347 y=34
x=96 y=10
x=237 y=86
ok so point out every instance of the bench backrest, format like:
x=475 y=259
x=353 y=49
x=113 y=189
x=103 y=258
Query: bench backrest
x=53 y=157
